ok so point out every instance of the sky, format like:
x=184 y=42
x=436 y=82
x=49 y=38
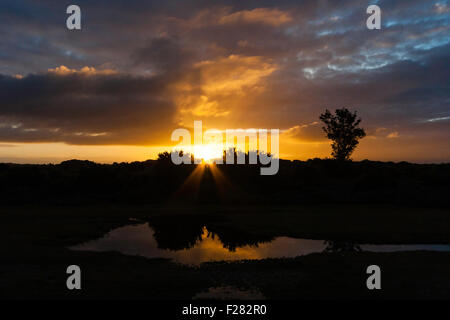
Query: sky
x=116 y=89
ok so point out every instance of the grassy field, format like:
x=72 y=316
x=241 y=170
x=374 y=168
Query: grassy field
x=34 y=254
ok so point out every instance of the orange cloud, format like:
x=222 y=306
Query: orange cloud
x=271 y=17
x=223 y=82
x=224 y=17
x=305 y=133
x=393 y=135
x=201 y=106
x=63 y=70
x=233 y=74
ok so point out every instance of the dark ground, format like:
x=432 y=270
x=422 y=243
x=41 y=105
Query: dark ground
x=314 y=182
x=34 y=254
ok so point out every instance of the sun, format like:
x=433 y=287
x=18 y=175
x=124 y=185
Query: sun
x=208 y=152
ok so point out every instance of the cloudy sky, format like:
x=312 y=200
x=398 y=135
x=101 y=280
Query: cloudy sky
x=116 y=89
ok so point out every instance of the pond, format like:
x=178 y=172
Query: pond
x=195 y=245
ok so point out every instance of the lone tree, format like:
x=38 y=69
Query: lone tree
x=342 y=128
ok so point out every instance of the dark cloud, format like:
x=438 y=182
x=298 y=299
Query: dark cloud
x=84 y=107
x=163 y=54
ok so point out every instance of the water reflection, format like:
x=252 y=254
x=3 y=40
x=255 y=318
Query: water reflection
x=189 y=231
x=199 y=246
x=192 y=242
x=182 y=235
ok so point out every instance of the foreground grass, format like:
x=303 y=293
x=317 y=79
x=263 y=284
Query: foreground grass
x=34 y=257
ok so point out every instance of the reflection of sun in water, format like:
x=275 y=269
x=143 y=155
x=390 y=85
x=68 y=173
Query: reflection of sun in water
x=208 y=152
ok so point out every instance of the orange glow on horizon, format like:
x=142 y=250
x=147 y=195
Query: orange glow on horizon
x=208 y=152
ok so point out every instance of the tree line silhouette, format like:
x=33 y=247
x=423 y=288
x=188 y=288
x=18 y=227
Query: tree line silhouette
x=336 y=180
x=230 y=153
